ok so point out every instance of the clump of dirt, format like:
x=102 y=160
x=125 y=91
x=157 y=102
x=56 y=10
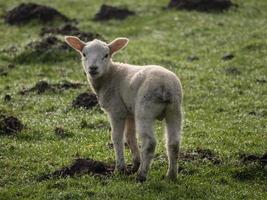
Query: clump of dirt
x=61 y=132
x=65 y=85
x=81 y=166
x=232 y=71
x=228 y=56
x=199 y=153
x=252 y=113
x=69 y=29
x=261 y=81
x=40 y=88
x=26 y=12
x=192 y=58
x=251 y=172
x=10 y=125
x=3 y=72
x=201 y=5
x=47 y=49
x=47 y=43
x=7 y=98
x=86 y=100
x=11 y=66
x=43 y=86
x=108 y=12
x=248 y=158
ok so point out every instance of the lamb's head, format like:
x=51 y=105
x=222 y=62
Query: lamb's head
x=96 y=54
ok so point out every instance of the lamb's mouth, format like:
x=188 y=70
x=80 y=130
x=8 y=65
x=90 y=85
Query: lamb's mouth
x=93 y=73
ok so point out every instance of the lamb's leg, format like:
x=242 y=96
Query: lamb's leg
x=145 y=129
x=117 y=126
x=173 y=126
x=130 y=135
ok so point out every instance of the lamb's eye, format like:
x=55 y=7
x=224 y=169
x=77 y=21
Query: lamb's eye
x=106 y=56
x=84 y=55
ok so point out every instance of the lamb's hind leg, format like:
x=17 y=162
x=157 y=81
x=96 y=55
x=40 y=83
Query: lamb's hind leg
x=145 y=129
x=130 y=135
x=173 y=126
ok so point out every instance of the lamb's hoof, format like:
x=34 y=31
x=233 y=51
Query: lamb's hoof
x=171 y=176
x=121 y=170
x=135 y=167
x=140 y=178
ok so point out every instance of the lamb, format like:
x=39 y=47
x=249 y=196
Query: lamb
x=133 y=97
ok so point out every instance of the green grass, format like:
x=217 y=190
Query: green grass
x=224 y=112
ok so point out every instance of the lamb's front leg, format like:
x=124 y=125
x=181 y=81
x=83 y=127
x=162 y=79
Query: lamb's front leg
x=117 y=126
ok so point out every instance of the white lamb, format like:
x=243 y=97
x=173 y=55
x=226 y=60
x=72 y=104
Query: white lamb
x=133 y=97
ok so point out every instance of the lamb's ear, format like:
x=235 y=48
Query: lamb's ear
x=117 y=44
x=75 y=43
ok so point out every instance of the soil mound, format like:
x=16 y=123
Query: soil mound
x=10 y=125
x=69 y=29
x=200 y=153
x=86 y=100
x=81 y=166
x=47 y=44
x=246 y=158
x=201 y=5
x=107 y=12
x=43 y=86
x=47 y=49
x=26 y=12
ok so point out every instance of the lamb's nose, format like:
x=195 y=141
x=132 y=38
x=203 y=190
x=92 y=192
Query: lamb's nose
x=93 y=68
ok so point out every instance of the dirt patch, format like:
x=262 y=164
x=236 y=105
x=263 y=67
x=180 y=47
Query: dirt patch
x=107 y=12
x=11 y=66
x=3 y=72
x=228 y=56
x=261 y=81
x=40 y=88
x=253 y=167
x=26 y=12
x=232 y=71
x=47 y=49
x=81 y=166
x=86 y=100
x=65 y=85
x=252 y=172
x=69 y=29
x=61 y=132
x=10 y=125
x=7 y=98
x=252 y=113
x=46 y=44
x=248 y=158
x=192 y=58
x=43 y=86
x=202 y=5
x=200 y=154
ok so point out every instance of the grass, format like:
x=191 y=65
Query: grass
x=224 y=104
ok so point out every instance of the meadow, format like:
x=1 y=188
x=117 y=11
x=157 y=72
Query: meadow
x=221 y=59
